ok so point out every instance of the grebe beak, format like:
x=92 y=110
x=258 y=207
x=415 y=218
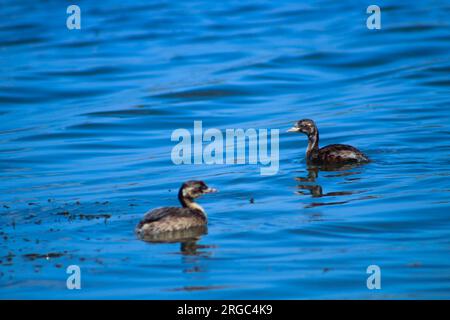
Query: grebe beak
x=294 y=129
x=210 y=190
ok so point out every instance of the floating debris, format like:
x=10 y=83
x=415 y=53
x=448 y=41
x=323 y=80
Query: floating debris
x=103 y=203
x=94 y=216
x=47 y=256
x=414 y=265
x=83 y=216
x=7 y=260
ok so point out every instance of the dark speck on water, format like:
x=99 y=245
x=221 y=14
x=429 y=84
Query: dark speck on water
x=85 y=138
x=34 y=256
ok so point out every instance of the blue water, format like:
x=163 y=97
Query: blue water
x=86 y=120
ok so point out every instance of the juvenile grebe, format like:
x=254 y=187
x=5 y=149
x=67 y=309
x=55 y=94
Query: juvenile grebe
x=173 y=219
x=331 y=154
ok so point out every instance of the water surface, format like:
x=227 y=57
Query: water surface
x=86 y=119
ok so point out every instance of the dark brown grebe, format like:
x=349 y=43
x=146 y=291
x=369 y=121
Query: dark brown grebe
x=331 y=154
x=173 y=219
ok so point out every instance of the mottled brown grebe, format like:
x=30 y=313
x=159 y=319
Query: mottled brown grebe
x=331 y=154
x=172 y=219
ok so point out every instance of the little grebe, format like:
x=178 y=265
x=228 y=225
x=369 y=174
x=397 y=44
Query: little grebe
x=169 y=219
x=331 y=154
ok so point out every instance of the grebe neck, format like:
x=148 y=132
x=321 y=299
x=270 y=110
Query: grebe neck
x=313 y=145
x=188 y=202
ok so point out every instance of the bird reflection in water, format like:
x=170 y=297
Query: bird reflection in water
x=309 y=183
x=187 y=238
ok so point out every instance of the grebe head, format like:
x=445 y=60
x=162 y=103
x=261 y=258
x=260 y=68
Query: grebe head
x=306 y=126
x=194 y=189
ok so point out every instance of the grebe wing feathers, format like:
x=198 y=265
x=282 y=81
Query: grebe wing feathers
x=160 y=213
x=337 y=152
